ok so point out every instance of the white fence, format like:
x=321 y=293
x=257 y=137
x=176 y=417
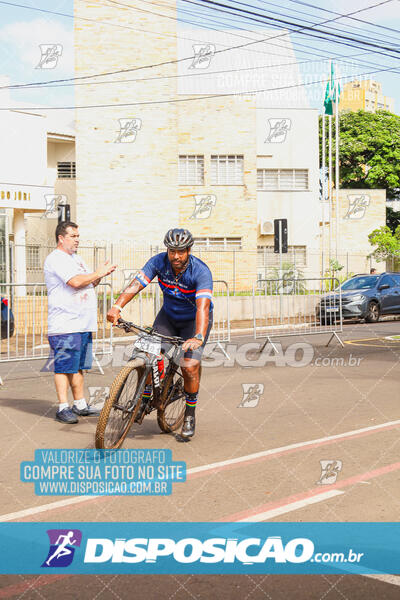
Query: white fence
x=286 y=307
x=24 y=336
x=24 y=330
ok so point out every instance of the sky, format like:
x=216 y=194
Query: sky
x=25 y=27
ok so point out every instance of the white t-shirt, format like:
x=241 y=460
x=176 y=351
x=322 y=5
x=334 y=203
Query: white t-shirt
x=69 y=310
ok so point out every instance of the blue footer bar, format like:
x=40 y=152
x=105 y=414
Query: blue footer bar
x=220 y=548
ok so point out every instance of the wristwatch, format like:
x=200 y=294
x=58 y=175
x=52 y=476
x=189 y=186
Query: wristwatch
x=198 y=336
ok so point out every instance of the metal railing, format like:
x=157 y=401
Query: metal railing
x=221 y=329
x=238 y=267
x=287 y=307
x=24 y=327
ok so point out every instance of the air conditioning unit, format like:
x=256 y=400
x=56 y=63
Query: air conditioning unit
x=267 y=228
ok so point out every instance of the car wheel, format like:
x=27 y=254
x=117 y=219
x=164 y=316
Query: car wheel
x=373 y=313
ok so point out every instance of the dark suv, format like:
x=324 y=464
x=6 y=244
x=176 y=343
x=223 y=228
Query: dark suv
x=363 y=297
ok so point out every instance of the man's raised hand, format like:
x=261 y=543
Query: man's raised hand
x=105 y=269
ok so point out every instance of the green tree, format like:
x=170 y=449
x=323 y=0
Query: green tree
x=369 y=150
x=392 y=218
x=387 y=244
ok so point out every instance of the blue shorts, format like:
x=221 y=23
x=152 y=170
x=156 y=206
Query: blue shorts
x=72 y=352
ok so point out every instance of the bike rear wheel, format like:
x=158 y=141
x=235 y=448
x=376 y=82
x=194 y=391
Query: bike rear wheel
x=173 y=402
x=117 y=414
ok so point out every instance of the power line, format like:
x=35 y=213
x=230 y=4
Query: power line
x=191 y=99
x=391 y=68
x=313 y=23
x=37 y=84
x=300 y=30
x=362 y=29
x=303 y=28
x=344 y=16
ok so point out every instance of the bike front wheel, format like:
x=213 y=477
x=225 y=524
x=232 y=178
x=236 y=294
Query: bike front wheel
x=122 y=405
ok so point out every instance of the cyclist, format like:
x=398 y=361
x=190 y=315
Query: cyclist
x=186 y=282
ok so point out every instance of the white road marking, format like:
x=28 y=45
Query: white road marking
x=43 y=508
x=209 y=467
x=392 y=579
x=289 y=447
x=281 y=510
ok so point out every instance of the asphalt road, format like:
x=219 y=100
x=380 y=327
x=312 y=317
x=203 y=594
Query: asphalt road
x=334 y=404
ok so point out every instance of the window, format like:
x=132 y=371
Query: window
x=191 y=169
x=282 y=179
x=218 y=243
x=227 y=170
x=397 y=279
x=66 y=170
x=386 y=280
x=296 y=255
x=33 y=258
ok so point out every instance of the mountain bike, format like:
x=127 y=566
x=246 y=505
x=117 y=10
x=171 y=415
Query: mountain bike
x=125 y=405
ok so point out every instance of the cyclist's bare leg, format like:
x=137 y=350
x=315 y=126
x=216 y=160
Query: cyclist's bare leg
x=191 y=375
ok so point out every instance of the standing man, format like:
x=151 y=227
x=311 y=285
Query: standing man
x=186 y=283
x=72 y=317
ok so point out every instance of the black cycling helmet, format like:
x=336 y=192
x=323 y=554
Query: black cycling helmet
x=178 y=239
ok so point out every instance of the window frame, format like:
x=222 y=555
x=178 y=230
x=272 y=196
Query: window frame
x=224 y=159
x=297 y=252
x=277 y=173
x=208 y=246
x=186 y=157
x=72 y=169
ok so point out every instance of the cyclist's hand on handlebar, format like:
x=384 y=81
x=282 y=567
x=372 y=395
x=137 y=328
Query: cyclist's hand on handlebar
x=191 y=344
x=113 y=315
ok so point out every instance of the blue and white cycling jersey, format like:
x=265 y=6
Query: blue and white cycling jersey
x=180 y=292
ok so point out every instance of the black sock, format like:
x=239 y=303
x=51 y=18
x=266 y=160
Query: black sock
x=191 y=401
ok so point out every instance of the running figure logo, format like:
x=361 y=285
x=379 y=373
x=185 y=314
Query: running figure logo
x=62 y=547
x=128 y=274
x=203 y=205
x=252 y=393
x=203 y=54
x=53 y=202
x=358 y=204
x=128 y=129
x=278 y=129
x=50 y=54
x=98 y=395
x=329 y=471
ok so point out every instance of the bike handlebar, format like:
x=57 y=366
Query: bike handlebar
x=128 y=327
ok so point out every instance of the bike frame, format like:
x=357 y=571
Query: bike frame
x=151 y=364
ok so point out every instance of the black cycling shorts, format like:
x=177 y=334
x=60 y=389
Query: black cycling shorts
x=184 y=329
